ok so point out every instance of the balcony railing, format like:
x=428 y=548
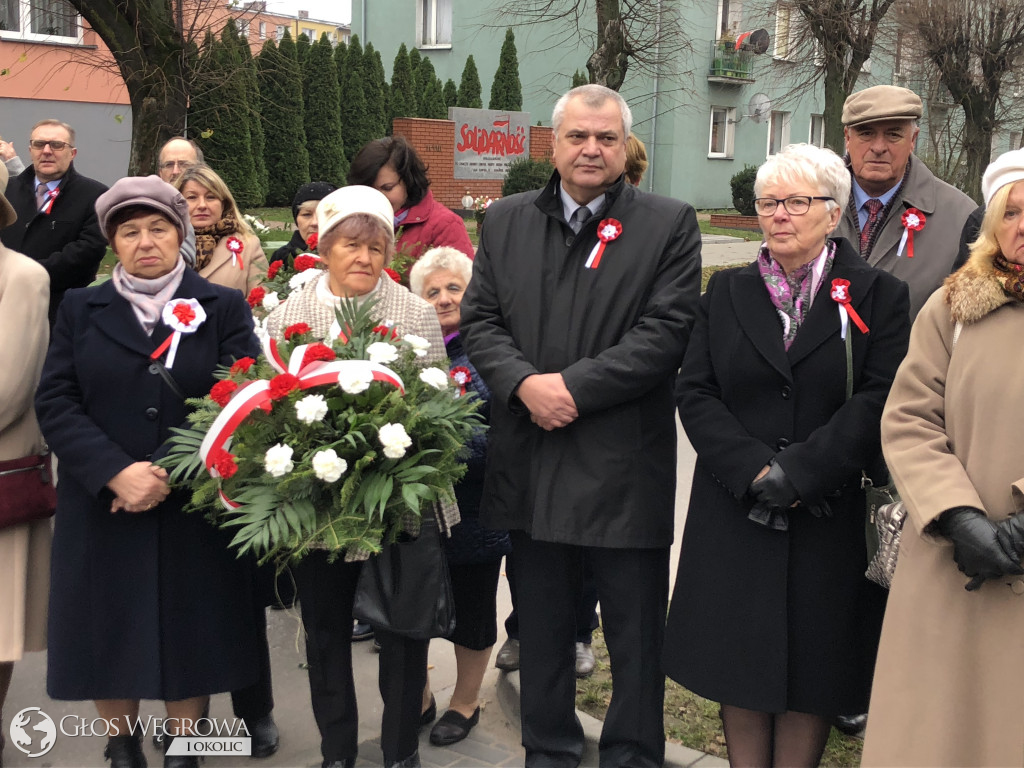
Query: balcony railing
x=726 y=63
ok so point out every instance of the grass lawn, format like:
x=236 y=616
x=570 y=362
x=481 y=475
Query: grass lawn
x=691 y=720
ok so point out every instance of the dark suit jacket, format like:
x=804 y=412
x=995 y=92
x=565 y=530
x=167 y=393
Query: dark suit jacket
x=763 y=619
x=67 y=240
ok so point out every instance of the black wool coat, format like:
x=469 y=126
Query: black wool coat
x=67 y=240
x=617 y=335
x=764 y=619
x=150 y=605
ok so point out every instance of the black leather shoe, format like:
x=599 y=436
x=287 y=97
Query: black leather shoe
x=453 y=727
x=430 y=715
x=851 y=725
x=265 y=738
x=361 y=632
x=339 y=763
x=178 y=761
x=412 y=761
x=125 y=752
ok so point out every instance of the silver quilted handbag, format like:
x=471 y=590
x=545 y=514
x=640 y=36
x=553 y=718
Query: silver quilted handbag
x=884 y=524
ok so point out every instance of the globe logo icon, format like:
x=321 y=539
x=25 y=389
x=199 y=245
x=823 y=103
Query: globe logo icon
x=33 y=732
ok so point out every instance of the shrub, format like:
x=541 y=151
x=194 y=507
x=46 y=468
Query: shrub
x=525 y=175
x=743 y=190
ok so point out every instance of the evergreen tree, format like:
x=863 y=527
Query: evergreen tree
x=340 y=58
x=469 y=89
x=323 y=115
x=579 y=78
x=431 y=92
x=403 y=95
x=451 y=93
x=286 y=156
x=302 y=46
x=255 y=101
x=414 y=60
x=374 y=89
x=354 y=112
x=506 y=90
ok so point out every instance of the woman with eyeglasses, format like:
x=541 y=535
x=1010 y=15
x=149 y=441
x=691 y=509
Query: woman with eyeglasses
x=781 y=394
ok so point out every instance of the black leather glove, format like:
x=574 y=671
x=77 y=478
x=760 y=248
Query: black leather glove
x=775 y=519
x=1010 y=535
x=774 y=489
x=976 y=549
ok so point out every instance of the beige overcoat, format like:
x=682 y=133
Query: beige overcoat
x=24 y=549
x=949 y=679
x=221 y=271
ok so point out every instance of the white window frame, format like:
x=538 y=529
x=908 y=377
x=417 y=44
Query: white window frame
x=243 y=28
x=729 y=114
x=428 y=19
x=310 y=33
x=734 y=21
x=279 y=32
x=263 y=30
x=24 y=31
x=787 y=19
x=819 y=139
x=786 y=118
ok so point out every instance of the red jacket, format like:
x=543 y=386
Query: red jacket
x=430 y=224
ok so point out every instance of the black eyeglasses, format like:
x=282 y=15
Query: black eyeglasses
x=797 y=205
x=168 y=165
x=56 y=146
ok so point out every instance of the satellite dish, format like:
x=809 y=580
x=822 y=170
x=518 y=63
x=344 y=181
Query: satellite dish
x=755 y=40
x=759 y=108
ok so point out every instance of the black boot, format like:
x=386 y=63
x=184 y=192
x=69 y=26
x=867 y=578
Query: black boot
x=125 y=752
x=178 y=761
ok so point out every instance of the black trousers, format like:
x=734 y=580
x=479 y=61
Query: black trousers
x=585 y=607
x=257 y=700
x=326 y=592
x=633 y=585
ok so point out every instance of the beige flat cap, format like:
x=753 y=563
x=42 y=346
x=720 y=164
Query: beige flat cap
x=881 y=102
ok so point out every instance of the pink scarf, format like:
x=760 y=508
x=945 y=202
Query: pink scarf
x=148 y=296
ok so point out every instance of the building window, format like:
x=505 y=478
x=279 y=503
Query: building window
x=778 y=132
x=263 y=30
x=723 y=128
x=243 y=28
x=1015 y=140
x=310 y=33
x=279 y=32
x=817 y=137
x=730 y=16
x=40 y=20
x=787 y=21
x=434 y=22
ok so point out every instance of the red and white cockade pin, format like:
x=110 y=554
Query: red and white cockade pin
x=462 y=376
x=236 y=246
x=841 y=295
x=913 y=221
x=184 y=316
x=607 y=230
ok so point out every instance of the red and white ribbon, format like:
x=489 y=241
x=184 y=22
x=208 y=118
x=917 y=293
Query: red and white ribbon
x=913 y=221
x=841 y=295
x=51 y=195
x=184 y=316
x=607 y=230
x=236 y=246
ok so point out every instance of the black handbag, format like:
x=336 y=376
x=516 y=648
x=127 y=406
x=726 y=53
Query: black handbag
x=406 y=588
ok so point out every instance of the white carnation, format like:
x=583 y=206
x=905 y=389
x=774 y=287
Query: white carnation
x=395 y=440
x=434 y=377
x=382 y=353
x=328 y=466
x=418 y=343
x=299 y=279
x=354 y=379
x=311 y=408
x=278 y=460
x=271 y=300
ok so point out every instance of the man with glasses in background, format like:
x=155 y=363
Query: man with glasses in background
x=177 y=155
x=57 y=224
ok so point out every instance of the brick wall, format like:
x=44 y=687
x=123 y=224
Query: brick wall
x=727 y=221
x=434 y=141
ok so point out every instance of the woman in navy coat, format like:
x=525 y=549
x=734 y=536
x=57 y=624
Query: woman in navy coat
x=146 y=602
x=771 y=614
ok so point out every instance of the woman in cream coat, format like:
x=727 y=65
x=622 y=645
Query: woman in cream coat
x=25 y=548
x=949 y=678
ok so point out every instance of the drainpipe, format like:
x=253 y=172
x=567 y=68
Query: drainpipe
x=654 y=103
x=363 y=22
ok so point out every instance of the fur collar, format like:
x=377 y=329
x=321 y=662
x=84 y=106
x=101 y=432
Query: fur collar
x=973 y=291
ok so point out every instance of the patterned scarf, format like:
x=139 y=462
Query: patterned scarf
x=1010 y=276
x=208 y=237
x=148 y=296
x=883 y=214
x=792 y=294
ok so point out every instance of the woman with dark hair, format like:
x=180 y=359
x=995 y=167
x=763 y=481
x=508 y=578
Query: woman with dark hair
x=392 y=166
x=304 y=212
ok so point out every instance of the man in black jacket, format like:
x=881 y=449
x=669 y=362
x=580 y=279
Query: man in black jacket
x=577 y=316
x=57 y=223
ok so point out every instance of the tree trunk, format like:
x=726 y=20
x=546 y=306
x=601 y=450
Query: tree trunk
x=607 y=64
x=977 y=141
x=835 y=97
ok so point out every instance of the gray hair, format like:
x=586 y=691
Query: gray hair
x=443 y=258
x=807 y=163
x=593 y=96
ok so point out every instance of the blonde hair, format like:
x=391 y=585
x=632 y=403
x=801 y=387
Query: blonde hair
x=206 y=177
x=987 y=246
x=636 y=160
x=443 y=258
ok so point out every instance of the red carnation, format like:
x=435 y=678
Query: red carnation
x=275 y=267
x=295 y=330
x=282 y=384
x=316 y=352
x=393 y=275
x=242 y=365
x=256 y=296
x=223 y=462
x=386 y=331
x=304 y=262
x=222 y=391
x=313 y=241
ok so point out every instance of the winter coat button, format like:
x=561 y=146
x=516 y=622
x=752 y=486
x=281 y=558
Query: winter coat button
x=568 y=240
x=1018 y=587
x=781 y=443
x=152 y=413
x=154 y=368
x=786 y=392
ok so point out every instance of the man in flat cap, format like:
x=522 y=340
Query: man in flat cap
x=894 y=193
